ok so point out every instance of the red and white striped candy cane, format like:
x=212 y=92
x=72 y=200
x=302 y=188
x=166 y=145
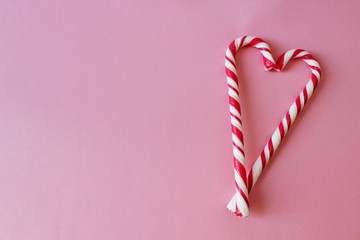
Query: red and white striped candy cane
x=244 y=182
x=239 y=204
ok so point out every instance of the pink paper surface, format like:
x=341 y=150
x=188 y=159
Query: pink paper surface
x=114 y=120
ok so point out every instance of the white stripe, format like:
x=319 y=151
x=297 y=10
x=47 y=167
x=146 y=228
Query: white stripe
x=287 y=56
x=234 y=111
x=293 y=112
x=247 y=40
x=284 y=122
x=267 y=153
x=317 y=74
x=237 y=43
x=237 y=141
x=233 y=94
x=302 y=99
x=256 y=170
x=230 y=55
x=276 y=139
x=309 y=88
x=303 y=53
x=238 y=155
x=312 y=62
x=229 y=64
x=268 y=56
x=232 y=83
x=262 y=45
x=232 y=204
x=240 y=182
x=236 y=123
x=231 y=67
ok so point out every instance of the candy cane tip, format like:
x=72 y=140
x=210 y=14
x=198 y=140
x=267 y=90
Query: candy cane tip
x=279 y=67
x=233 y=207
x=238 y=213
x=232 y=204
x=269 y=65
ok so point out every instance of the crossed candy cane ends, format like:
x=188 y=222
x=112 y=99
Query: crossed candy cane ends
x=244 y=182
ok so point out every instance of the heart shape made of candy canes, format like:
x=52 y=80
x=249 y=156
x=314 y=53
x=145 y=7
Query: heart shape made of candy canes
x=244 y=181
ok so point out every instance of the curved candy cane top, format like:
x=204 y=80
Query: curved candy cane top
x=244 y=181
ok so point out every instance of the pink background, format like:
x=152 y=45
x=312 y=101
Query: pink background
x=114 y=120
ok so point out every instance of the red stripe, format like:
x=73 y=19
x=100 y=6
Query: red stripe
x=316 y=68
x=238 y=148
x=232 y=48
x=236 y=117
x=245 y=198
x=296 y=52
x=242 y=194
x=282 y=131
x=231 y=75
x=314 y=80
x=242 y=41
x=305 y=95
x=238 y=133
x=235 y=104
x=241 y=169
x=280 y=62
x=250 y=180
x=237 y=213
x=271 y=148
x=298 y=104
x=235 y=90
x=307 y=57
x=264 y=49
x=254 y=42
x=263 y=160
x=231 y=61
x=288 y=120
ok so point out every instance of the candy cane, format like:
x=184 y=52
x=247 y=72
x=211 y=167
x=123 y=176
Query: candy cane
x=244 y=181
